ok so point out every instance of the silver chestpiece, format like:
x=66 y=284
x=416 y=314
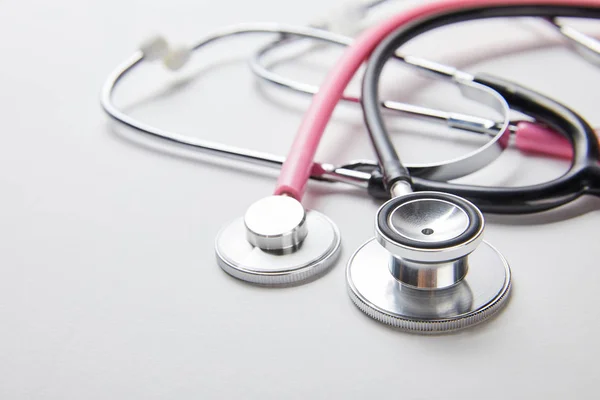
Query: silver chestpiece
x=428 y=268
x=277 y=243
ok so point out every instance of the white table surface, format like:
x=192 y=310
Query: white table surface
x=108 y=282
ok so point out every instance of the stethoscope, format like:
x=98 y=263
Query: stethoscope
x=428 y=251
x=430 y=241
x=528 y=138
x=352 y=172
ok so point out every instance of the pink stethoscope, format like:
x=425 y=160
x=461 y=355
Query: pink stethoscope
x=278 y=242
x=279 y=223
x=428 y=268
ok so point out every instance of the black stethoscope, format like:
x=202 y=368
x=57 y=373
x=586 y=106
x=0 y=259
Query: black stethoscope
x=427 y=269
x=583 y=176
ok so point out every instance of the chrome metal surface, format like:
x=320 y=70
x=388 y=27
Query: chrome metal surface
x=429 y=220
x=317 y=252
x=452 y=119
x=429 y=275
x=400 y=188
x=588 y=46
x=276 y=223
x=477 y=159
x=447 y=169
x=438 y=69
x=478 y=296
x=325 y=172
x=343 y=174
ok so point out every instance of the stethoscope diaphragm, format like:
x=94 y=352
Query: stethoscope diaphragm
x=277 y=243
x=428 y=269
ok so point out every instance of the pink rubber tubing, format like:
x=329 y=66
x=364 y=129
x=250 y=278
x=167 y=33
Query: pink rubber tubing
x=299 y=162
x=536 y=139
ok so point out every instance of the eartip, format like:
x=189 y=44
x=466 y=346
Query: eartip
x=176 y=58
x=155 y=48
x=346 y=20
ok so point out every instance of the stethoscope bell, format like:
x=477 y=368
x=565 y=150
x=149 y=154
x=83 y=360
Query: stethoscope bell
x=428 y=268
x=278 y=242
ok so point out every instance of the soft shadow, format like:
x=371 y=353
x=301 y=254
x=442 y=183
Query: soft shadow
x=577 y=208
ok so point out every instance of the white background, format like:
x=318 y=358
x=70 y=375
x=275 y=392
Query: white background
x=108 y=283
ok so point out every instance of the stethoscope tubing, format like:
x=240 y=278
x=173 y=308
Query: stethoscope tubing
x=362 y=174
x=296 y=169
x=455 y=120
x=356 y=173
x=529 y=138
x=583 y=172
x=470 y=123
x=349 y=174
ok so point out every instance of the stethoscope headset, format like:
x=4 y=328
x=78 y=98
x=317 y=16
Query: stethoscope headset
x=427 y=269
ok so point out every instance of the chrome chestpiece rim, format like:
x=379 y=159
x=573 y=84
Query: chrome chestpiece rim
x=428 y=268
x=276 y=223
x=278 y=243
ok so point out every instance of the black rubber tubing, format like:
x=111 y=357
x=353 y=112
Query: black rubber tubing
x=583 y=175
